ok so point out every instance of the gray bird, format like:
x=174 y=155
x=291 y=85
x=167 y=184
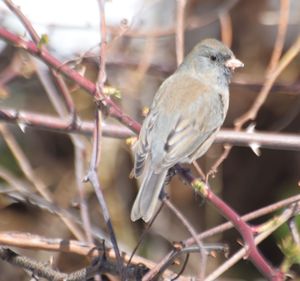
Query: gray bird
x=187 y=112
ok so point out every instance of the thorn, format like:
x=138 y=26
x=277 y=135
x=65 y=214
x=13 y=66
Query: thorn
x=22 y=127
x=240 y=242
x=86 y=178
x=255 y=147
x=177 y=245
x=213 y=254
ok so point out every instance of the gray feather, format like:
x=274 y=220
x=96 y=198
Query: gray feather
x=146 y=201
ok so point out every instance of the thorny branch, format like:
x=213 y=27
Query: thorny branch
x=276 y=66
x=65 y=125
x=52 y=93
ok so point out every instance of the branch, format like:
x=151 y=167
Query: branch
x=39 y=269
x=36 y=242
x=253 y=215
x=194 y=22
x=63 y=125
x=274 y=224
x=274 y=70
x=111 y=108
x=180 y=18
x=244 y=229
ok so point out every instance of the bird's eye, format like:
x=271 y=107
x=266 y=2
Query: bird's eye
x=213 y=58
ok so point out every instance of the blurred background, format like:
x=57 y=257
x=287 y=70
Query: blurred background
x=141 y=53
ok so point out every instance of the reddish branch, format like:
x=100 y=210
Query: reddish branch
x=110 y=107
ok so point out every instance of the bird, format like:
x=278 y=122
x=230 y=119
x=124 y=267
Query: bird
x=186 y=113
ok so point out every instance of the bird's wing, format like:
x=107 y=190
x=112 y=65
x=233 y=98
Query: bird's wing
x=184 y=142
x=184 y=114
x=142 y=147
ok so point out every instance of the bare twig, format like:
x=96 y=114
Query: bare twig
x=226 y=28
x=226 y=226
x=36 y=242
x=102 y=56
x=37 y=268
x=193 y=22
x=111 y=108
x=193 y=232
x=92 y=175
x=282 y=28
x=275 y=66
x=273 y=223
x=253 y=215
x=36 y=38
x=181 y=4
x=59 y=108
x=273 y=71
x=29 y=173
x=237 y=138
x=40 y=269
x=252 y=112
x=244 y=229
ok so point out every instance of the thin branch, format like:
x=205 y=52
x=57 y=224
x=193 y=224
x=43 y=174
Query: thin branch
x=37 y=242
x=102 y=56
x=223 y=227
x=253 y=215
x=252 y=112
x=66 y=125
x=181 y=4
x=92 y=177
x=244 y=229
x=273 y=71
x=264 y=140
x=192 y=231
x=274 y=224
x=30 y=175
x=275 y=67
x=39 y=269
x=111 y=108
x=193 y=22
x=68 y=101
x=36 y=38
x=188 y=250
x=226 y=28
x=281 y=32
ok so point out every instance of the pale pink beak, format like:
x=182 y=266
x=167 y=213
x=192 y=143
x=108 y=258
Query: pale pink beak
x=233 y=63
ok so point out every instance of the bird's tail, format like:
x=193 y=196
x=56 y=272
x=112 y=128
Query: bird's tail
x=146 y=200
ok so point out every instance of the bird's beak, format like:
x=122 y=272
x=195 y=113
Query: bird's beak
x=233 y=63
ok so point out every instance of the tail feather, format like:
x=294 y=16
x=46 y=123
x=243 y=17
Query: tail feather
x=146 y=200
